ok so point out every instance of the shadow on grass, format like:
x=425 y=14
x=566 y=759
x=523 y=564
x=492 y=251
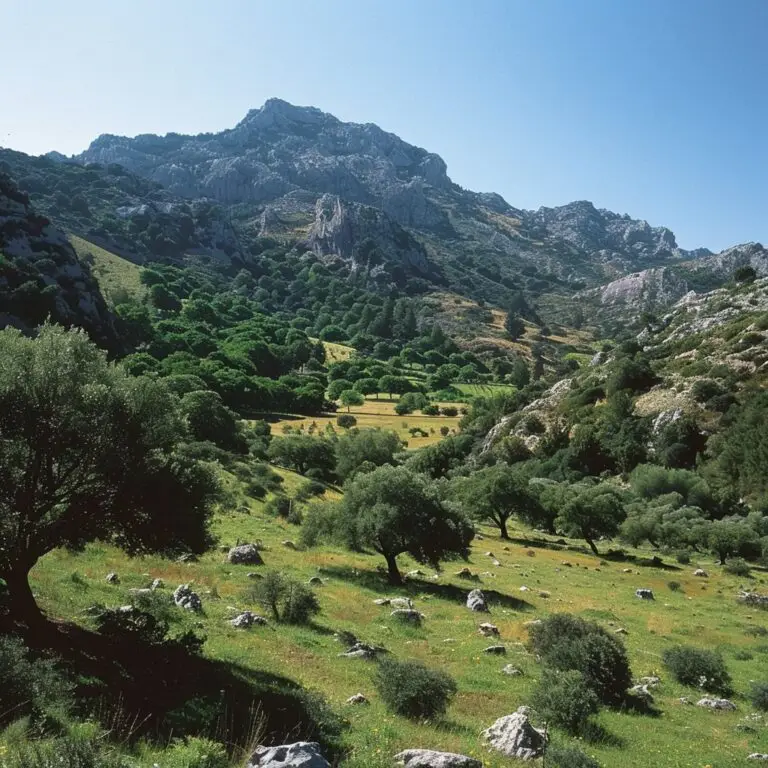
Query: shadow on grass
x=594 y=733
x=635 y=705
x=140 y=689
x=452 y=727
x=377 y=582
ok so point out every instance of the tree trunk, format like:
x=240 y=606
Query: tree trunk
x=723 y=559
x=21 y=600
x=592 y=545
x=393 y=571
x=503 y=529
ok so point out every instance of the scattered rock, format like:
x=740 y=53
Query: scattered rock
x=157 y=584
x=315 y=581
x=488 y=630
x=247 y=619
x=415 y=574
x=382 y=601
x=479 y=537
x=407 y=615
x=724 y=705
x=426 y=758
x=532 y=623
x=185 y=598
x=289 y=544
x=757 y=756
x=361 y=651
x=642 y=692
x=644 y=594
x=302 y=754
x=566 y=564
x=476 y=601
x=524 y=589
x=140 y=591
x=753 y=598
x=685 y=700
x=514 y=736
x=626 y=570
x=620 y=631
x=112 y=578
x=489 y=554
x=512 y=671
x=700 y=572
x=245 y=554
x=465 y=573
x=651 y=681
x=543 y=593
x=254 y=575
x=187 y=557
x=498 y=650
x=404 y=603
x=358 y=698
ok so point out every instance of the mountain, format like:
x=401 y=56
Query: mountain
x=41 y=276
x=273 y=167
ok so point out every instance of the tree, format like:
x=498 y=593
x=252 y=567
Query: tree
x=302 y=453
x=388 y=384
x=495 y=494
x=337 y=386
x=365 y=446
x=727 y=537
x=367 y=386
x=745 y=274
x=595 y=512
x=350 y=397
x=514 y=325
x=88 y=452
x=393 y=511
x=209 y=419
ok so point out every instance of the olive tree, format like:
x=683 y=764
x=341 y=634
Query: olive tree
x=88 y=452
x=394 y=511
x=595 y=512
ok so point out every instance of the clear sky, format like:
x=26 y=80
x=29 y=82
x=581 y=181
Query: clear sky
x=656 y=108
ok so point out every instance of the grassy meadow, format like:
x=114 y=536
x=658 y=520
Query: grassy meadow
x=375 y=414
x=703 y=612
x=114 y=274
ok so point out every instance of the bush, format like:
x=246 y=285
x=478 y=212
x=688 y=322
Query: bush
x=280 y=506
x=565 y=700
x=412 y=690
x=567 y=642
x=450 y=410
x=430 y=410
x=568 y=757
x=683 y=557
x=675 y=586
x=288 y=600
x=737 y=566
x=758 y=696
x=346 y=420
x=67 y=753
x=698 y=668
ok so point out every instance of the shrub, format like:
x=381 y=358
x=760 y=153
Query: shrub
x=743 y=655
x=560 y=756
x=66 y=753
x=567 y=642
x=444 y=431
x=346 y=420
x=287 y=599
x=450 y=410
x=412 y=690
x=430 y=410
x=758 y=695
x=698 y=668
x=565 y=700
x=280 y=506
x=737 y=566
x=683 y=557
x=675 y=586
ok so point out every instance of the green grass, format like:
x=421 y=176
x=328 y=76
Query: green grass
x=705 y=613
x=484 y=390
x=115 y=275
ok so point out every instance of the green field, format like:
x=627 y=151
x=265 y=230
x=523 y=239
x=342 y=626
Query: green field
x=484 y=390
x=703 y=613
x=116 y=276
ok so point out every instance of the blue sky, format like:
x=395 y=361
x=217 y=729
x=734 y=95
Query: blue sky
x=656 y=108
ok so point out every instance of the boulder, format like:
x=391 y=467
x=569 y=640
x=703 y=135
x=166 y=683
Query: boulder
x=112 y=578
x=426 y=758
x=642 y=692
x=302 y=754
x=187 y=557
x=498 y=650
x=407 y=615
x=157 y=584
x=488 y=630
x=358 y=698
x=524 y=589
x=644 y=594
x=185 y=598
x=514 y=736
x=651 y=681
x=140 y=591
x=620 y=631
x=700 y=572
x=289 y=544
x=757 y=756
x=722 y=705
x=382 y=601
x=247 y=619
x=315 y=581
x=512 y=671
x=476 y=601
x=361 y=651
x=465 y=573
x=404 y=603
x=245 y=554
x=415 y=574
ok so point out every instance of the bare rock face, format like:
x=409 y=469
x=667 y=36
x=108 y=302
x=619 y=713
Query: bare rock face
x=514 y=736
x=476 y=601
x=302 y=754
x=427 y=758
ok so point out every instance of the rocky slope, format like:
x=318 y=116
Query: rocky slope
x=41 y=276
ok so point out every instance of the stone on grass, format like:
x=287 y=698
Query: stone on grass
x=700 y=572
x=302 y=754
x=187 y=557
x=245 y=554
x=382 y=601
x=289 y=544
x=476 y=601
x=514 y=736
x=644 y=594
x=488 y=630
x=112 y=578
x=512 y=671
x=465 y=573
x=400 y=602
x=361 y=651
x=497 y=650
x=358 y=698
x=254 y=575
x=140 y=591
x=407 y=615
x=315 y=581
x=757 y=756
x=543 y=593
x=185 y=598
x=532 y=623
x=722 y=705
x=247 y=619
x=157 y=584
x=642 y=692
x=524 y=589
x=427 y=758
x=651 y=681
x=620 y=631
x=415 y=574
